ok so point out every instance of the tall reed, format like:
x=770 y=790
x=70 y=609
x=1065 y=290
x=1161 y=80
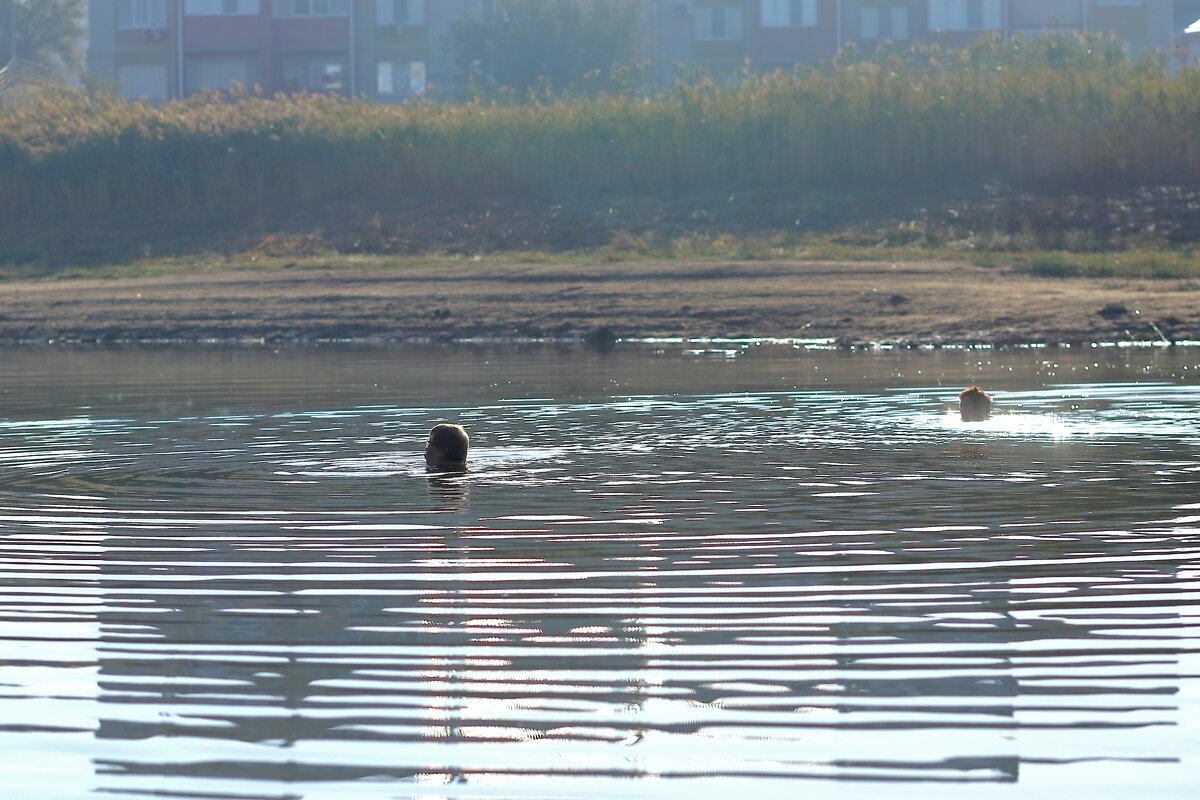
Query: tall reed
x=1049 y=113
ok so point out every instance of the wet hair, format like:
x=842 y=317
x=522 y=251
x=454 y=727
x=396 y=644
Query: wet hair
x=452 y=439
x=974 y=405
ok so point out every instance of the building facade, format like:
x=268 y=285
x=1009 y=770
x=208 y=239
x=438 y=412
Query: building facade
x=389 y=50
x=767 y=34
x=163 y=49
x=1188 y=52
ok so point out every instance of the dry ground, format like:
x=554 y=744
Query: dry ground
x=912 y=302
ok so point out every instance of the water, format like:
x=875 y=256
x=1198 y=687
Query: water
x=225 y=573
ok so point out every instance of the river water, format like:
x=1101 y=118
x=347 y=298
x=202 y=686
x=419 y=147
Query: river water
x=668 y=572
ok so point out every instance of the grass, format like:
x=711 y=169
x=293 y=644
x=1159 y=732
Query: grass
x=301 y=254
x=1133 y=264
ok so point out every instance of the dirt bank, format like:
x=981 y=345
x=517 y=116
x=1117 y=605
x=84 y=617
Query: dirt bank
x=914 y=302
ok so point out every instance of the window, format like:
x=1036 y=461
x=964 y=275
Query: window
x=314 y=74
x=884 y=23
x=400 y=12
x=869 y=23
x=718 y=24
x=479 y=9
x=789 y=13
x=142 y=80
x=400 y=77
x=141 y=14
x=312 y=8
x=965 y=15
x=217 y=72
x=214 y=8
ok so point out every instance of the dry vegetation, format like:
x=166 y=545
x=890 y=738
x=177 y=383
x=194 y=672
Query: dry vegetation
x=859 y=156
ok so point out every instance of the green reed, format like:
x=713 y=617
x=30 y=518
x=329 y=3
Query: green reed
x=1061 y=113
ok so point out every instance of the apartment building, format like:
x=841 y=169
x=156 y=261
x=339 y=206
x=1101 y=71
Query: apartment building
x=1188 y=52
x=727 y=34
x=388 y=50
x=161 y=49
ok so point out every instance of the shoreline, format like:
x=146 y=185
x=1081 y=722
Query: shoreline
x=708 y=345
x=832 y=304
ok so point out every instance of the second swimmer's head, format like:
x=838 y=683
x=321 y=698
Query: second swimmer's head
x=974 y=405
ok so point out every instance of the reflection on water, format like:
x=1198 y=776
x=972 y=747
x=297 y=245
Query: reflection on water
x=228 y=574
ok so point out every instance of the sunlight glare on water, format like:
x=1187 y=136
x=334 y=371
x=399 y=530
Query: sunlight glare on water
x=227 y=573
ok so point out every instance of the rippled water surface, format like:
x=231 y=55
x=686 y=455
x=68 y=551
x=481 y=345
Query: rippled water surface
x=767 y=572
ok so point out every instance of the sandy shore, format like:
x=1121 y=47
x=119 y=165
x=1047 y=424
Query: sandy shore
x=855 y=303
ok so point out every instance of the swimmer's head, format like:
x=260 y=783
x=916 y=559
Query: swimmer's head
x=447 y=446
x=974 y=405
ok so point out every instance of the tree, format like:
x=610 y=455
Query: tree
x=552 y=44
x=47 y=32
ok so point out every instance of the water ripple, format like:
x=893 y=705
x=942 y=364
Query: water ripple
x=756 y=586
